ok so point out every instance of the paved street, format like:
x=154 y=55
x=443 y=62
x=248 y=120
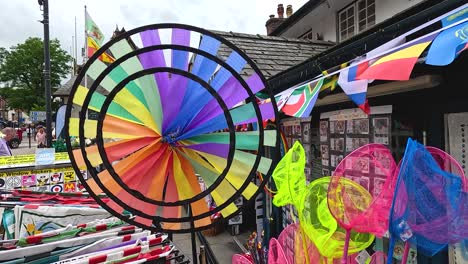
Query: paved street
x=24 y=146
x=223 y=245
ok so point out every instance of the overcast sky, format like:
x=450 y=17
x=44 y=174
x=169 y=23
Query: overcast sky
x=20 y=17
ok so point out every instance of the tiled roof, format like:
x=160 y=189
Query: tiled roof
x=272 y=54
x=65 y=89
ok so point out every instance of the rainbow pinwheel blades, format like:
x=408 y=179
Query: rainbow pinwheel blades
x=161 y=106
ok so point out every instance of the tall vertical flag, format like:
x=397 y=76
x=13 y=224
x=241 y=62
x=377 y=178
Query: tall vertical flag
x=303 y=99
x=94 y=39
x=448 y=45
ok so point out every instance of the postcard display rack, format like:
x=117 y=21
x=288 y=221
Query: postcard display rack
x=341 y=132
x=297 y=129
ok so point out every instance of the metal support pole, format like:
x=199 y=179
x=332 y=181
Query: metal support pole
x=45 y=21
x=202 y=255
x=29 y=135
x=194 y=241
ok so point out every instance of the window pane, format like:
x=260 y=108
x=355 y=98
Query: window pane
x=362 y=25
x=343 y=16
x=361 y=5
x=362 y=14
x=342 y=35
x=371 y=20
x=371 y=9
x=343 y=25
x=351 y=30
x=351 y=11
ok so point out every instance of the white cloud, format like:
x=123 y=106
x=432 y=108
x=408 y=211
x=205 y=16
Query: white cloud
x=20 y=17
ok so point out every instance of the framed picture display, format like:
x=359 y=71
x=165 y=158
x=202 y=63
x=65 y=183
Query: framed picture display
x=343 y=131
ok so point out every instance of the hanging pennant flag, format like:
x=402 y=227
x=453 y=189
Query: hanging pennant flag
x=359 y=68
x=448 y=45
x=355 y=90
x=398 y=65
x=94 y=39
x=302 y=100
x=355 y=70
x=329 y=85
x=453 y=18
x=283 y=97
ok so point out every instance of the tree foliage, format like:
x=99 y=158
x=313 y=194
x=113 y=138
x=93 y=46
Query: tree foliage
x=21 y=72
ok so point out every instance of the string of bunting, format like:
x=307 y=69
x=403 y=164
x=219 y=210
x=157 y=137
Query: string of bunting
x=445 y=44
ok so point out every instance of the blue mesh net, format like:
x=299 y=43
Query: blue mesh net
x=430 y=205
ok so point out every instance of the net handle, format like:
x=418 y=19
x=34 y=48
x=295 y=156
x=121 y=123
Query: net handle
x=405 y=253
x=304 y=245
x=344 y=260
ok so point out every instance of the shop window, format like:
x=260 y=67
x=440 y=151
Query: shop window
x=356 y=18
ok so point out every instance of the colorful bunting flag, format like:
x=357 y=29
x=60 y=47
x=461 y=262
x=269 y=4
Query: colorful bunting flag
x=355 y=90
x=398 y=65
x=283 y=97
x=448 y=45
x=303 y=99
x=355 y=70
x=453 y=18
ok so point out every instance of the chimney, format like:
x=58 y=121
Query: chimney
x=289 y=11
x=273 y=22
x=280 y=11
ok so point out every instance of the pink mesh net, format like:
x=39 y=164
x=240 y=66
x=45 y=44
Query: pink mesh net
x=239 y=259
x=292 y=239
x=373 y=167
x=447 y=163
x=377 y=258
x=276 y=253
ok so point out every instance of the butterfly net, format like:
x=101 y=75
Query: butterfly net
x=276 y=254
x=430 y=205
x=292 y=239
x=289 y=176
x=373 y=167
x=320 y=225
x=239 y=259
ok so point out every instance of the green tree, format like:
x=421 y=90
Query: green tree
x=21 y=72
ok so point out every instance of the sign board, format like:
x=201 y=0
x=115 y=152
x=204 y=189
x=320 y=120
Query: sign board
x=45 y=156
x=37 y=116
x=29 y=160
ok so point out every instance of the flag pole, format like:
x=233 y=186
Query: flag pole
x=76 y=45
x=85 y=57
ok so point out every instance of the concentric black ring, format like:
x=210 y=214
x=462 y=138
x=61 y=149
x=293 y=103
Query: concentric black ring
x=225 y=110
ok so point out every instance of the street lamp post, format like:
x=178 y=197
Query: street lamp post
x=45 y=5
